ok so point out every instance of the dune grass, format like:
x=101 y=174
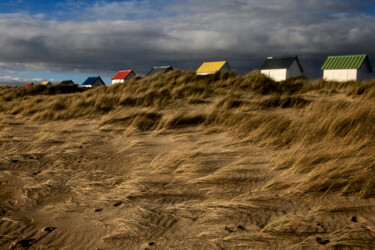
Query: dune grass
x=324 y=131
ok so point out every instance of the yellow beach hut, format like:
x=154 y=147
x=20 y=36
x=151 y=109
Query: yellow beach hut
x=46 y=83
x=208 y=68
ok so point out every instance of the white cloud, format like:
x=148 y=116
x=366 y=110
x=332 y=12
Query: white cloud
x=17 y=81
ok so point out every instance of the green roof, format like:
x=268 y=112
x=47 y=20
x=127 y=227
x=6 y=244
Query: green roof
x=346 y=62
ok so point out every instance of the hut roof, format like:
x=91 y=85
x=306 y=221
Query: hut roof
x=90 y=80
x=210 y=67
x=346 y=62
x=67 y=82
x=122 y=74
x=283 y=62
x=45 y=83
x=158 y=69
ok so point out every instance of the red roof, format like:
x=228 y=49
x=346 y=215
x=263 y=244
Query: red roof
x=29 y=84
x=122 y=74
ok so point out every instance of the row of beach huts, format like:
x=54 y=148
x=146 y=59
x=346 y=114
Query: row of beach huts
x=335 y=68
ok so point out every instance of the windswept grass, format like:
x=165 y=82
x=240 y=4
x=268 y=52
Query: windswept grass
x=185 y=120
x=324 y=130
x=352 y=88
x=9 y=93
x=284 y=101
x=142 y=120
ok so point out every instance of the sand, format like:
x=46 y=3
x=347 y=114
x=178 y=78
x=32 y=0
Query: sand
x=76 y=185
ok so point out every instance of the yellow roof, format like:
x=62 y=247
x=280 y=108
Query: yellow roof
x=211 y=67
x=45 y=83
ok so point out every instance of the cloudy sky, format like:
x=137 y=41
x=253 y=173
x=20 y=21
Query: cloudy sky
x=67 y=39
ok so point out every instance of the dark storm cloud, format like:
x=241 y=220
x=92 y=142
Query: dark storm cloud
x=183 y=33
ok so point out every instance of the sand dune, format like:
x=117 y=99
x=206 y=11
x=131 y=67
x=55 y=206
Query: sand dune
x=71 y=184
x=180 y=162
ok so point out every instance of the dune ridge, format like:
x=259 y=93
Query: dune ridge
x=183 y=161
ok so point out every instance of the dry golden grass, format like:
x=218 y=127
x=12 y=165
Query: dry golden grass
x=220 y=161
x=250 y=106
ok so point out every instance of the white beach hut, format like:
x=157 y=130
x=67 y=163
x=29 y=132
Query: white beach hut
x=282 y=68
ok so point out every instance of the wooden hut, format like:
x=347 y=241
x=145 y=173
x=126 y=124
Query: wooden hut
x=158 y=69
x=122 y=76
x=347 y=68
x=93 y=81
x=282 y=68
x=208 y=68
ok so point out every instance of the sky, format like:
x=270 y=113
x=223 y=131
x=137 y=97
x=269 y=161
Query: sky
x=71 y=40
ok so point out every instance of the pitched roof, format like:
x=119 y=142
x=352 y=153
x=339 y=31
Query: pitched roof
x=211 y=67
x=29 y=84
x=346 y=62
x=122 y=74
x=158 y=69
x=280 y=62
x=90 y=80
x=45 y=83
x=67 y=82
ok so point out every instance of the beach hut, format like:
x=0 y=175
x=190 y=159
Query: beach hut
x=67 y=82
x=93 y=81
x=347 y=68
x=46 y=83
x=158 y=69
x=208 y=68
x=122 y=76
x=29 y=84
x=282 y=68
